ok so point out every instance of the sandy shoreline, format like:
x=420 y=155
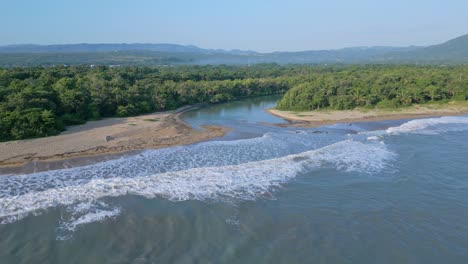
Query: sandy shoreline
x=112 y=138
x=319 y=118
x=102 y=140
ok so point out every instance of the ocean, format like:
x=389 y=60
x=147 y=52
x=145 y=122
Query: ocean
x=375 y=192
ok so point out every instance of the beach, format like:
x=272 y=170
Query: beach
x=326 y=117
x=102 y=140
x=111 y=138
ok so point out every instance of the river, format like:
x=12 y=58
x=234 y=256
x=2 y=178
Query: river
x=380 y=192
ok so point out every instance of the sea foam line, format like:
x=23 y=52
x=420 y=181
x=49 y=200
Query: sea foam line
x=245 y=181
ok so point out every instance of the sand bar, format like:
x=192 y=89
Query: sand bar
x=326 y=117
x=101 y=140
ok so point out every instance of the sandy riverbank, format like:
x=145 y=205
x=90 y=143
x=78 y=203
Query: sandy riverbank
x=102 y=140
x=325 y=117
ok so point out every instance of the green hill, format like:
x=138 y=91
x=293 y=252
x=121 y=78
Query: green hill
x=452 y=51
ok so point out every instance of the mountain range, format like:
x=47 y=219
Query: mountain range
x=85 y=47
x=454 y=51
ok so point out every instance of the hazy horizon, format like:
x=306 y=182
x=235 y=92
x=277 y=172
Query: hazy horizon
x=138 y=43
x=262 y=26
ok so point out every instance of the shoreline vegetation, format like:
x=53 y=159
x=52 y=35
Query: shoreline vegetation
x=42 y=101
x=328 y=117
x=102 y=140
x=378 y=88
x=370 y=93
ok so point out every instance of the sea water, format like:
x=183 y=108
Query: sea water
x=381 y=192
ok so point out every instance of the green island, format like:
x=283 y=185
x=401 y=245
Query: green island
x=41 y=101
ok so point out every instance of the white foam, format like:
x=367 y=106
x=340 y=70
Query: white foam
x=424 y=125
x=207 y=154
x=92 y=217
x=85 y=213
x=245 y=181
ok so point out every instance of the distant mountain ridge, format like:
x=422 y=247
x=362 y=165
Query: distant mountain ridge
x=167 y=47
x=454 y=51
x=85 y=47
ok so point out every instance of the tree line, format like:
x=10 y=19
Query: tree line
x=377 y=86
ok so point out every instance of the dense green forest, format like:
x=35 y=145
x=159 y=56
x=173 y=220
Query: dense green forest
x=41 y=101
x=377 y=86
x=37 y=102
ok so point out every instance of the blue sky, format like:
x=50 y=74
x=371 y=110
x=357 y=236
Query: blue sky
x=261 y=25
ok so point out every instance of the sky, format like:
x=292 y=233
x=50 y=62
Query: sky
x=260 y=25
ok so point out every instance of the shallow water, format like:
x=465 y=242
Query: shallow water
x=382 y=192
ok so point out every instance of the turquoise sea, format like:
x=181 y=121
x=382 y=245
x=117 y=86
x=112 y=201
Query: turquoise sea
x=377 y=192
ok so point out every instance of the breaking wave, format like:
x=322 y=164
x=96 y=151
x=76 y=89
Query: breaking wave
x=242 y=181
x=432 y=125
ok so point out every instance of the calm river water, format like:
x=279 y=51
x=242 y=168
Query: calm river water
x=382 y=192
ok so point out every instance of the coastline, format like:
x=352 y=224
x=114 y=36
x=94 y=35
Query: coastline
x=102 y=140
x=328 y=117
x=112 y=138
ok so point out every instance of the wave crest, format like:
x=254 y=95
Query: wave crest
x=246 y=181
x=429 y=125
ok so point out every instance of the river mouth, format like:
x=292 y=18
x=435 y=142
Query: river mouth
x=260 y=194
x=245 y=117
